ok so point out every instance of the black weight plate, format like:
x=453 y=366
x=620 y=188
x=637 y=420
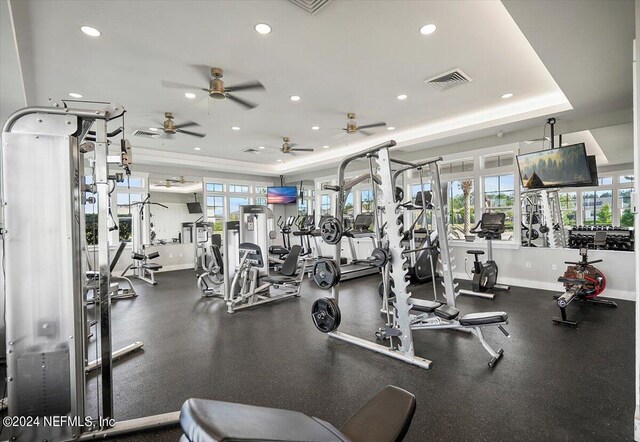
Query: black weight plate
x=326 y=273
x=326 y=315
x=331 y=230
x=380 y=257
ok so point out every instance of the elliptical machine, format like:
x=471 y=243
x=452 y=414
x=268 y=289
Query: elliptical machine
x=485 y=275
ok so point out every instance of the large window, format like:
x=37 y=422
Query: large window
x=348 y=209
x=500 y=160
x=214 y=187
x=215 y=211
x=624 y=207
x=569 y=208
x=237 y=188
x=325 y=205
x=461 y=207
x=415 y=188
x=303 y=206
x=234 y=207
x=128 y=192
x=260 y=189
x=465 y=165
x=596 y=208
x=499 y=197
x=366 y=201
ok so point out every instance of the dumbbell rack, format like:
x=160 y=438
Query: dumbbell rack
x=617 y=238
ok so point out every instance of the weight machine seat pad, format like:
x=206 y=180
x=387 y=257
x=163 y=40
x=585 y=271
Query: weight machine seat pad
x=151 y=266
x=279 y=279
x=207 y=420
x=475 y=252
x=278 y=250
x=572 y=281
x=384 y=418
x=447 y=312
x=423 y=305
x=485 y=318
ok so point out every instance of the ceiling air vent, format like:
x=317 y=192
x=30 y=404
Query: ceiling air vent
x=311 y=6
x=146 y=133
x=447 y=80
x=251 y=150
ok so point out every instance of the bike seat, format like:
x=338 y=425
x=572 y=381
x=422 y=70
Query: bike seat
x=475 y=252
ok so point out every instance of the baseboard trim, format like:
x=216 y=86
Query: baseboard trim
x=553 y=286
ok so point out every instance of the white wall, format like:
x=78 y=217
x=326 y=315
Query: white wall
x=547 y=265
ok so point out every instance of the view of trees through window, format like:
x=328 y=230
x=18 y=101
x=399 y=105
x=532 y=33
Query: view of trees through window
x=461 y=206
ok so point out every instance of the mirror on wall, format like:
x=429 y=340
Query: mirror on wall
x=594 y=214
x=176 y=206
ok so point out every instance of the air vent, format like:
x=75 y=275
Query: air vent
x=146 y=133
x=449 y=79
x=311 y=6
x=251 y=150
x=537 y=140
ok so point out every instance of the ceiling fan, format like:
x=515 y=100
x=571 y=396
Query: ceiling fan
x=290 y=148
x=352 y=126
x=218 y=90
x=170 y=128
x=168 y=182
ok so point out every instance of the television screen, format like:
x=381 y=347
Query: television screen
x=194 y=207
x=563 y=167
x=282 y=195
x=593 y=168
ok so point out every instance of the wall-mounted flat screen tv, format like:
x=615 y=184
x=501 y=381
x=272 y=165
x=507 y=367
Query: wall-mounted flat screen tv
x=593 y=168
x=563 y=167
x=194 y=207
x=282 y=195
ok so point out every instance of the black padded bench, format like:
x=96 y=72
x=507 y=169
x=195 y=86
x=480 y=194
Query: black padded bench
x=384 y=418
x=450 y=313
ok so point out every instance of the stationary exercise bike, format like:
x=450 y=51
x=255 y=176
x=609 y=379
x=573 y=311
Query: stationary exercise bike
x=485 y=275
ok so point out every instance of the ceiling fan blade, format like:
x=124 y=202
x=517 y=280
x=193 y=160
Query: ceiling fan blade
x=241 y=102
x=302 y=150
x=204 y=71
x=174 y=85
x=365 y=132
x=245 y=86
x=186 y=124
x=188 y=132
x=369 y=126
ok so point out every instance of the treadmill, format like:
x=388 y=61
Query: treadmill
x=359 y=267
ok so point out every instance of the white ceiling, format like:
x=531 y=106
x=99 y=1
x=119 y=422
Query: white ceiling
x=350 y=57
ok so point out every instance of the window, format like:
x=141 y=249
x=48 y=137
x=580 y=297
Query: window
x=605 y=181
x=303 y=207
x=214 y=187
x=325 y=205
x=234 y=207
x=499 y=197
x=461 y=207
x=260 y=201
x=626 y=179
x=259 y=189
x=596 y=207
x=131 y=182
x=348 y=209
x=366 y=201
x=624 y=206
x=415 y=188
x=465 y=165
x=236 y=188
x=215 y=211
x=125 y=213
x=569 y=208
x=500 y=160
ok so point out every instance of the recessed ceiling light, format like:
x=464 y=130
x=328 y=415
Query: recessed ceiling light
x=75 y=95
x=91 y=32
x=262 y=28
x=155 y=129
x=294 y=98
x=390 y=127
x=325 y=147
x=196 y=148
x=279 y=160
x=315 y=128
x=235 y=128
x=402 y=97
x=260 y=147
x=507 y=95
x=428 y=29
x=190 y=95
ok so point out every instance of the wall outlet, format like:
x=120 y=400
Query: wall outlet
x=554 y=267
x=528 y=264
